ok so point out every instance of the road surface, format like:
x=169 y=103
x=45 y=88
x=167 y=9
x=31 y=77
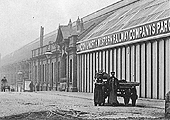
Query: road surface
x=68 y=105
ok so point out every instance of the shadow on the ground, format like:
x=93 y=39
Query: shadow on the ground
x=123 y=105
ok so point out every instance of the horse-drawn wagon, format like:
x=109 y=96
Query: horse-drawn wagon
x=124 y=89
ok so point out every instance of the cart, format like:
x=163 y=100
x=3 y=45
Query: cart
x=127 y=90
x=5 y=88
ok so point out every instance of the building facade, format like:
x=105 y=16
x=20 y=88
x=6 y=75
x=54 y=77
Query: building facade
x=134 y=42
x=53 y=65
x=58 y=71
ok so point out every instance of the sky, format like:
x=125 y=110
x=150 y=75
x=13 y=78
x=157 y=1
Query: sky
x=21 y=19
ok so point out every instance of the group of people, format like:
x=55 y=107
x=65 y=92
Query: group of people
x=104 y=89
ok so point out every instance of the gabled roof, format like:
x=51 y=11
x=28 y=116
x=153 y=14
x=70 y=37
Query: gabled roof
x=67 y=31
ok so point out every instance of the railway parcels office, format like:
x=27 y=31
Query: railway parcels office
x=134 y=42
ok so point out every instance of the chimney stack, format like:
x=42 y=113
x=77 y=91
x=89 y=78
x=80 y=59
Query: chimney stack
x=70 y=24
x=81 y=25
x=41 y=38
x=78 y=25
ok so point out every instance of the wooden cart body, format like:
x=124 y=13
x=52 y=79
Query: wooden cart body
x=124 y=86
x=128 y=91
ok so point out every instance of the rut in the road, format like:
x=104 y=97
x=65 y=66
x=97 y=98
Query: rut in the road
x=47 y=115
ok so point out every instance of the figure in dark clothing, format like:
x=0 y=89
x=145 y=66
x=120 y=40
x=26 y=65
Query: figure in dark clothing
x=31 y=85
x=113 y=85
x=3 y=84
x=99 y=89
x=106 y=78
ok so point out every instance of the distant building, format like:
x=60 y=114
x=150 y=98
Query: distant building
x=128 y=37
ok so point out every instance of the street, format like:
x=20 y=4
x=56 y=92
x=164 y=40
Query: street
x=68 y=105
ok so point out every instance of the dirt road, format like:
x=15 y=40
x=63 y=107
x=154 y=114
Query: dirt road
x=49 y=105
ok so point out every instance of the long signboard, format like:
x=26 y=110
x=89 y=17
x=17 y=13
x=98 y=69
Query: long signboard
x=139 y=32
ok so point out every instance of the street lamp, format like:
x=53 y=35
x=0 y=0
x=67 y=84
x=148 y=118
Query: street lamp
x=48 y=54
x=19 y=72
x=19 y=83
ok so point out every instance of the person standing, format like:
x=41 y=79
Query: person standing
x=98 y=90
x=113 y=85
x=3 y=84
x=31 y=85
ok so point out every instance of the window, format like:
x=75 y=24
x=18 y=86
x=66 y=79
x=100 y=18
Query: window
x=71 y=71
x=36 y=73
x=43 y=74
x=52 y=70
x=58 y=71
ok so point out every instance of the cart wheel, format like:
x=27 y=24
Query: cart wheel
x=134 y=98
x=99 y=104
x=126 y=100
x=127 y=96
x=95 y=104
x=103 y=102
x=133 y=102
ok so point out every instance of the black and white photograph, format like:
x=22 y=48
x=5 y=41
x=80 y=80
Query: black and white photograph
x=85 y=60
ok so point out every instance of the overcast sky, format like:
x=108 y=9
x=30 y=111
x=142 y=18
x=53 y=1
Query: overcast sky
x=20 y=20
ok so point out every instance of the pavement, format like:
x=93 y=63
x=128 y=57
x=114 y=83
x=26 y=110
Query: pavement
x=145 y=102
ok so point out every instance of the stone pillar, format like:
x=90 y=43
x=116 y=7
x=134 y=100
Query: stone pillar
x=74 y=88
x=30 y=70
x=58 y=68
x=55 y=76
x=42 y=75
x=72 y=55
x=50 y=74
x=167 y=105
x=39 y=72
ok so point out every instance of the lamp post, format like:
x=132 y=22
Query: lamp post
x=19 y=83
x=58 y=51
x=48 y=54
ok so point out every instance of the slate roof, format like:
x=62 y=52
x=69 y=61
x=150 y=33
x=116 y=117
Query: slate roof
x=91 y=21
x=66 y=31
x=25 y=52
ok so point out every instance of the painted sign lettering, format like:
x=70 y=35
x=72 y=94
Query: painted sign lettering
x=143 y=31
